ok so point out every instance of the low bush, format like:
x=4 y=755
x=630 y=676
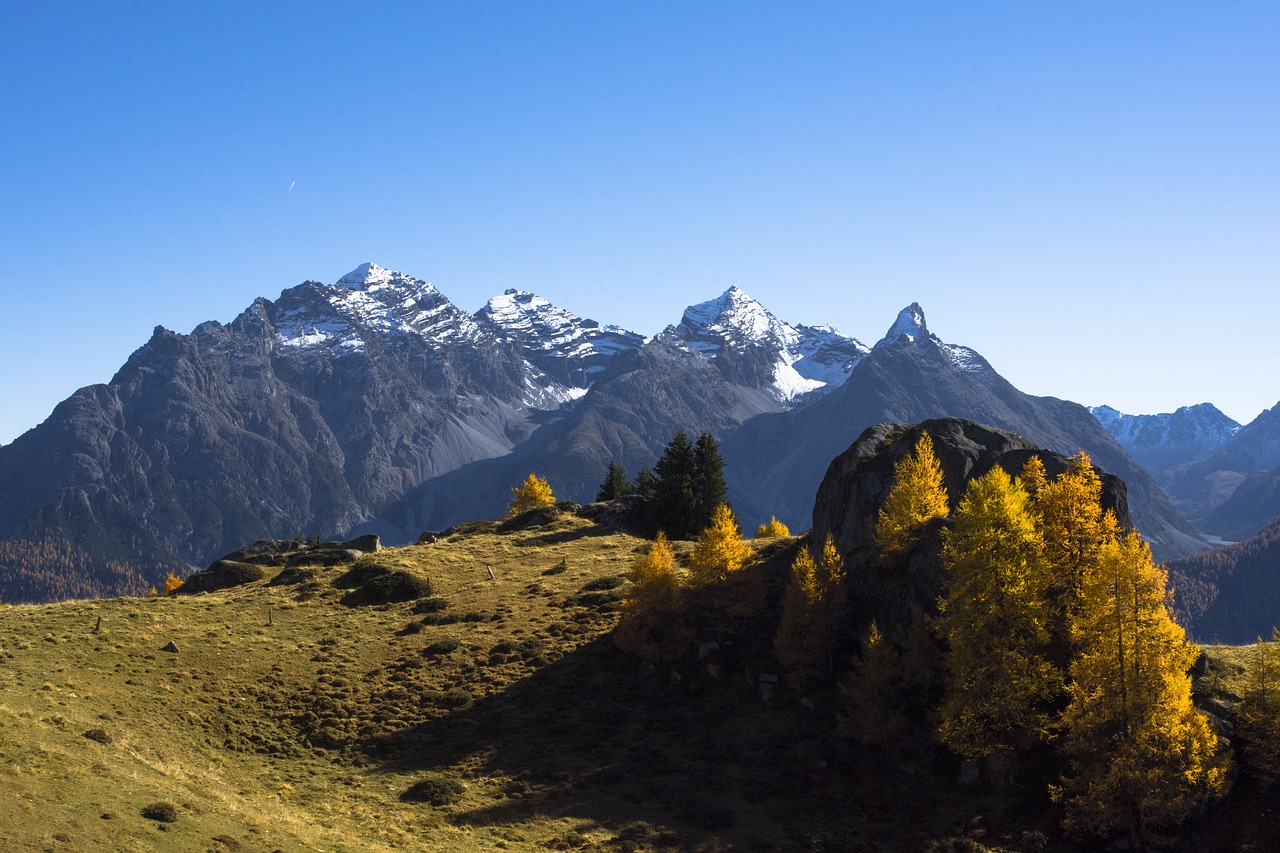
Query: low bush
x=436 y=790
x=439 y=648
x=389 y=588
x=161 y=811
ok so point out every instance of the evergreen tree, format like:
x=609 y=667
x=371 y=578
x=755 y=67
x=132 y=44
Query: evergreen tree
x=1142 y=757
x=645 y=486
x=615 y=483
x=675 y=502
x=720 y=550
x=1258 y=715
x=651 y=624
x=917 y=496
x=811 y=609
x=533 y=492
x=772 y=528
x=709 y=490
x=994 y=618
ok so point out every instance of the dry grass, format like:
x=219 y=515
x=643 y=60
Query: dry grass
x=289 y=721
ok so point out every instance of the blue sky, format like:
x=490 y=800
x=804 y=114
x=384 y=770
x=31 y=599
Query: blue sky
x=1087 y=193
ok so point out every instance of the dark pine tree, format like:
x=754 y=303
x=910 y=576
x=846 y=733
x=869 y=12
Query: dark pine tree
x=709 y=490
x=646 y=485
x=615 y=483
x=674 y=507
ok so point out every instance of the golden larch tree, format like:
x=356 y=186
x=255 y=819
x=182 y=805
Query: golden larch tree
x=772 y=527
x=811 y=609
x=534 y=492
x=720 y=550
x=651 y=623
x=994 y=617
x=871 y=698
x=916 y=497
x=1142 y=757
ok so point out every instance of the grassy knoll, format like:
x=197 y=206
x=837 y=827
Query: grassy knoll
x=491 y=713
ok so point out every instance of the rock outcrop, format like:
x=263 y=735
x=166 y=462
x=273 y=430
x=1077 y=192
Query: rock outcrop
x=858 y=480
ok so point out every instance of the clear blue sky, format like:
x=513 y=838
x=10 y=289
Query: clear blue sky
x=1086 y=193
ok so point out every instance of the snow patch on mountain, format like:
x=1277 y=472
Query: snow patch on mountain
x=804 y=359
x=368 y=302
x=910 y=322
x=1162 y=440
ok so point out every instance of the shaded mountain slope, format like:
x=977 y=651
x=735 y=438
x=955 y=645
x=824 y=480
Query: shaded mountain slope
x=1231 y=594
x=776 y=463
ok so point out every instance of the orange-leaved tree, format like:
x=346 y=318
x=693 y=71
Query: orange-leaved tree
x=772 y=527
x=811 y=609
x=534 y=492
x=720 y=550
x=651 y=624
x=1142 y=756
x=917 y=496
x=994 y=617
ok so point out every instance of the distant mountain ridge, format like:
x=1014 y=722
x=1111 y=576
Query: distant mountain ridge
x=1222 y=476
x=1161 y=441
x=376 y=404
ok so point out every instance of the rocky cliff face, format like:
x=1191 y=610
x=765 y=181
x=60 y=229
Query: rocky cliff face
x=858 y=481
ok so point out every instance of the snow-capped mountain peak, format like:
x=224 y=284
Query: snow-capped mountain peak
x=564 y=346
x=791 y=360
x=910 y=322
x=368 y=275
x=368 y=301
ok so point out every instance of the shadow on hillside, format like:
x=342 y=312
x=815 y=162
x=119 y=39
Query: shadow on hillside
x=593 y=737
x=560 y=537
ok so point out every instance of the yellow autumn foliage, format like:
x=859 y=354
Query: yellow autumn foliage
x=720 y=550
x=534 y=492
x=918 y=496
x=772 y=527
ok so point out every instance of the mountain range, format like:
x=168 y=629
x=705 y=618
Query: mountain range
x=374 y=404
x=1223 y=477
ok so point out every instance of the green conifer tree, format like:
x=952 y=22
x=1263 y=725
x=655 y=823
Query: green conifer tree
x=1258 y=715
x=709 y=489
x=675 y=501
x=615 y=483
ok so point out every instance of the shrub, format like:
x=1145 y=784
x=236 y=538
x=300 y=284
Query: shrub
x=391 y=588
x=605 y=583
x=439 y=648
x=434 y=604
x=161 y=811
x=100 y=735
x=436 y=790
x=223 y=574
x=772 y=527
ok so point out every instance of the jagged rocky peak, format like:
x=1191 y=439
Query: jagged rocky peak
x=754 y=347
x=369 y=300
x=568 y=348
x=1171 y=438
x=910 y=322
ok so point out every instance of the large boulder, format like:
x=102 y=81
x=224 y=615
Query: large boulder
x=858 y=481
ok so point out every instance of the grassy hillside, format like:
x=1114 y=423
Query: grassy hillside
x=495 y=714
